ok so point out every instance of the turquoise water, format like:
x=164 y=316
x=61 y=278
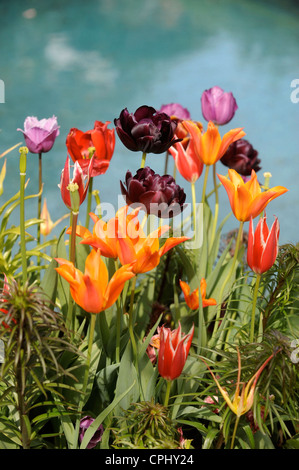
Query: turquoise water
x=86 y=61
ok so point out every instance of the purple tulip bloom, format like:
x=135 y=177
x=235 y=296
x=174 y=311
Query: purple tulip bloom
x=158 y=195
x=218 y=106
x=146 y=130
x=175 y=110
x=40 y=135
x=242 y=157
x=97 y=437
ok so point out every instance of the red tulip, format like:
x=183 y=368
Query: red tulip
x=173 y=351
x=73 y=191
x=262 y=245
x=100 y=138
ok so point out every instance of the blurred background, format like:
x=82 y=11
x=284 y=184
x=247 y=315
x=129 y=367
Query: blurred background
x=86 y=61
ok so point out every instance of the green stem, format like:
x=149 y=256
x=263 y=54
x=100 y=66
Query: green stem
x=194 y=207
x=89 y=199
x=70 y=321
x=23 y=158
x=203 y=198
x=216 y=205
x=131 y=328
x=39 y=204
x=167 y=393
x=86 y=375
x=234 y=432
x=255 y=294
x=143 y=160
x=118 y=324
x=239 y=237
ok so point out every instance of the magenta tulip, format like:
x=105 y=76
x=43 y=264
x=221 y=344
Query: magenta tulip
x=218 y=106
x=40 y=135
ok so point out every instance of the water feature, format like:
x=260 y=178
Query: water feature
x=87 y=61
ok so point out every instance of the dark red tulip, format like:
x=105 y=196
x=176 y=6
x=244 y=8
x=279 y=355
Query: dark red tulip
x=242 y=157
x=160 y=195
x=146 y=130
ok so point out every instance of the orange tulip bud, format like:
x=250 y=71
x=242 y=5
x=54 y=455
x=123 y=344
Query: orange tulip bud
x=192 y=300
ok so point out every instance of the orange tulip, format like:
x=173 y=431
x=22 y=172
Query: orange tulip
x=186 y=160
x=247 y=199
x=92 y=290
x=192 y=300
x=209 y=146
x=47 y=225
x=122 y=237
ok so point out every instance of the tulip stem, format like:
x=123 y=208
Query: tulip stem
x=166 y=162
x=86 y=375
x=234 y=432
x=194 y=207
x=238 y=241
x=143 y=160
x=72 y=258
x=255 y=294
x=167 y=393
x=203 y=198
x=89 y=198
x=40 y=182
x=23 y=164
x=118 y=324
x=216 y=205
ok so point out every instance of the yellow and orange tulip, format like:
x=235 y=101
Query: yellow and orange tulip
x=247 y=199
x=209 y=145
x=92 y=290
x=192 y=300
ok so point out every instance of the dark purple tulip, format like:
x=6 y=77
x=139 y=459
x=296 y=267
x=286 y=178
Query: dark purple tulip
x=218 y=106
x=175 y=110
x=40 y=135
x=242 y=157
x=159 y=195
x=146 y=130
x=84 y=424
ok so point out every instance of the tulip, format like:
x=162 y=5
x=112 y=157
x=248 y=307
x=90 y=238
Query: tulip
x=262 y=245
x=159 y=195
x=192 y=300
x=146 y=130
x=4 y=294
x=175 y=111
x=173 y=351
x=47 y=225
x=40 y=135
x=98 y=142
x=123 y=237
x=187 y=161
x=209 y=146
x=91 y=290
x=247 y=199
x=242 y=157
x=97 y=437
x=218 y=106
x=73 y=191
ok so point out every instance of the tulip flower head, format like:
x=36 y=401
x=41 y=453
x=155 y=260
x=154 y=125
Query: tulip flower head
x=242 y=157
x=98 y=142
x=241 y=402
x=96 y=438
x=158 y=195
x=73 y=191
x=209 y=145
x=187 y=161
x=218 y=106
x=246 y=198
x=192 y=300
x=146 y=130
x=173 y=351
x=262 y=245
x=92 y=290
x=47 y=225
x=175 y=111
x=40 y=135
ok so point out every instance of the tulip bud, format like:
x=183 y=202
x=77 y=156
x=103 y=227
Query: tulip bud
x=218 y=106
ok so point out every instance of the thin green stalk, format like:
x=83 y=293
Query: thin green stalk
x=131 y=328
x=86 y=375
x=70 y=321
x=89 y=199
x=239 y=237
x=234 y=432
x=194 y=206
x=39 y=204
x=203 y=198
x=167 y=393
x=118 y=324
x=143 y=160
x=216 y=206
x=23 y=157
x=255 y=294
